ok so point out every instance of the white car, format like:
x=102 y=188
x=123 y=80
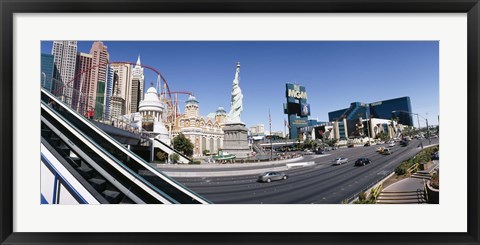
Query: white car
x=340 y=160
x=380 y=149
x=308 y=152
x=392 y=144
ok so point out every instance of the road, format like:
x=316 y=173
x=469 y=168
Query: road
x=321 y=183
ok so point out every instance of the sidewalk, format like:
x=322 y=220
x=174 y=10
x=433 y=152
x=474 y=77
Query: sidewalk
x=409 y=190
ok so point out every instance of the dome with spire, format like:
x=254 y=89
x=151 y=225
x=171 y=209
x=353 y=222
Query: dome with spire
x=151 y=90
x=192 y=100
x=221 y=111
x=151 y=101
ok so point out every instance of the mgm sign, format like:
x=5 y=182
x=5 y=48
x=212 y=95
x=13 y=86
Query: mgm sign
x=296 y=108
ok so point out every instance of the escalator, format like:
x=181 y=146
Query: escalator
x=258 y=149
x=169 y=150
x=113 y=173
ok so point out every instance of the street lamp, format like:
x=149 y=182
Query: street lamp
x=426 y=122
x=44 y=79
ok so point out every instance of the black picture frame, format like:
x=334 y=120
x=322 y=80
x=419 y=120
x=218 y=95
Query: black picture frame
x=10 y=7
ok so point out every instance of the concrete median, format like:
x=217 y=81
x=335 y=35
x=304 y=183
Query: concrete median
x=226 y=172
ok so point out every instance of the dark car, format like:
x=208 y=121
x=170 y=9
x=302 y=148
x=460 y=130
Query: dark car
x=387 y=151
x=320 y=151
x=271 y=176
x=435 y=156
x=362 y=161
x=404 y=142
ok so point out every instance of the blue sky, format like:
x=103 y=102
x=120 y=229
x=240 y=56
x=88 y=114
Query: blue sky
x=335 y=73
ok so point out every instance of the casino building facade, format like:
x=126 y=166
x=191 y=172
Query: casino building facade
x=388 y=109
x=205 y=133
x=370 y=119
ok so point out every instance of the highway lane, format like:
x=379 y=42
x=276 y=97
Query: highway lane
x=321 y=183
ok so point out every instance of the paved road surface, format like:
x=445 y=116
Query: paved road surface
x=322 y=183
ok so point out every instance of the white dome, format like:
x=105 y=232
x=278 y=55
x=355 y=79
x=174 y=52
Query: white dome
x=151 y=101
x=151 y=95
x=151 y=90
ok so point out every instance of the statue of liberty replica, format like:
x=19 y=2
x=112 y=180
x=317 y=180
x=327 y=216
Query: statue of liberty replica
x=235 y=140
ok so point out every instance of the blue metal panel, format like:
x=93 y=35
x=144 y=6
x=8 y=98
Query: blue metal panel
x=61 y=179
x=380 y=109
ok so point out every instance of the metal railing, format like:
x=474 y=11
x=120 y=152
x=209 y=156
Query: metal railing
x=413 y=168
x=81 y=103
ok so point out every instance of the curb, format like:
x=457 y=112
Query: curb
x=226 y=165
x=227 y=173
x=224 y=173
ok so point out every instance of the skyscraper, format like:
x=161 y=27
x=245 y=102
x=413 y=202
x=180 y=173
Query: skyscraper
x=47 y=71
x=109 y=90
x=124 y=73
x=117 y=103
x=96 y=91
x=65 y=57
x=135 y=95
x=138 y=80
x=82 y=83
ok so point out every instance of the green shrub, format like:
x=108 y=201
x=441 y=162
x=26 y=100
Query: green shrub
x=174 y=157
x=422 y=157
x=362 y=196
x=362 y=199
x=364 y=202
x=161 y=156
x=435 y=182
x=401 y=169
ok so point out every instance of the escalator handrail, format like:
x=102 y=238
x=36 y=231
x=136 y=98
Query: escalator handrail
x=152 y=190
x=175 y=150
x=139 y=160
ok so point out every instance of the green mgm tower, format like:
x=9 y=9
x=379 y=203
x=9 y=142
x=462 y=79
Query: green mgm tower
x=296 y=108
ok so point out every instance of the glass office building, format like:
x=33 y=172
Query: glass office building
x=395 y=108
x=46 y=74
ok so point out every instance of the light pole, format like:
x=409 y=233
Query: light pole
x=368 y=116
x=44 y=79
x=426 y=122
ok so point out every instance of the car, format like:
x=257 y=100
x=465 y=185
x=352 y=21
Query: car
x=362 y=161
x=404 y=142
x=380 y=149
x=320 y=151
x=340 y=160
x=435 y=156
x=367 y=144
x=308 y=152
x=271 y=176
x=392 y=144
x=387 y=151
